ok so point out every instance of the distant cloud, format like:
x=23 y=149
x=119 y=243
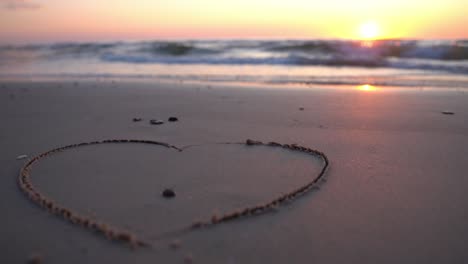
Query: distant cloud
x=19 y=4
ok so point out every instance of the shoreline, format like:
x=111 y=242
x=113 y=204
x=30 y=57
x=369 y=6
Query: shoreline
x=113 y=80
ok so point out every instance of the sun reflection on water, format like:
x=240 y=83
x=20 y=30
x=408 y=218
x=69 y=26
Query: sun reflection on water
x=366 y=88
x=367 y=44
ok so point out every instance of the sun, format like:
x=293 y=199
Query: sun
x=369 y=30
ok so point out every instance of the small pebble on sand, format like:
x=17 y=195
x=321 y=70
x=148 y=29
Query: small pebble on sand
x=448 y=113
x=156 y=122
x=137 y=119
x=173 y=119
x=168 y=193
x=20 y=157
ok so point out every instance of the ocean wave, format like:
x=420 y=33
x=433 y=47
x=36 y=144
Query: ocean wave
x=451 y=56
x=79 y=49
x=441 y=50
x=308 y=46
x=175 y=48
x=335 y=61
x=136 y=58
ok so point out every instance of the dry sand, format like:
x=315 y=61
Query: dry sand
x=396 y=190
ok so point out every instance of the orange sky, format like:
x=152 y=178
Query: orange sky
x=84 y=20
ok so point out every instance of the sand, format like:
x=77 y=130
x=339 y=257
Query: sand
x=396 y=188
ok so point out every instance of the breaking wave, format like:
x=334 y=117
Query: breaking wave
x=447 y=56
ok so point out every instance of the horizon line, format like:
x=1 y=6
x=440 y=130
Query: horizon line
x=164 y=39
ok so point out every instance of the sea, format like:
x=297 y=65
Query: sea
x=386 y=64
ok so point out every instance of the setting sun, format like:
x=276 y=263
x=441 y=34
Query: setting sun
x=369 y=30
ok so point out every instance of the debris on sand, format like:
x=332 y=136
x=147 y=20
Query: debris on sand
x=20 y=157
x=137 y=119
x=168 y=193
x=173 y=119
x=448 y=113
x=301 y=108
x=156 y=122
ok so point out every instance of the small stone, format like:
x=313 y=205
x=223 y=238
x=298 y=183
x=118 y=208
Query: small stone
x=301 y=108
x=156 y=122
x=173 y=119
x=168 y=193
x=137 y=119
x=20 y=157
x=448 y=113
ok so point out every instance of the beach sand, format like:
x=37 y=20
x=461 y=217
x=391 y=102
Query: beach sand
x=395 y=191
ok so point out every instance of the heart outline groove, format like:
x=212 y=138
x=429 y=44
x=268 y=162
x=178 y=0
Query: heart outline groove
x=118 y=234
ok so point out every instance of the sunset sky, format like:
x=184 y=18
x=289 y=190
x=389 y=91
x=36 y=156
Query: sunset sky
x=87 y=20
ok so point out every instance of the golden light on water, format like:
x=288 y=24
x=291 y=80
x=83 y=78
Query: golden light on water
x=366 y=88
x=367 y=43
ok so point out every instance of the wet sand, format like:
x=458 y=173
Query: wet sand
x=395 y=191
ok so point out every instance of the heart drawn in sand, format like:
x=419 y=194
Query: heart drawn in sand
x=118 y=234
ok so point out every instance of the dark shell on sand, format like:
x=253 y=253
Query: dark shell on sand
x=168 y=193
x=156 y=122
x=448 y=113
